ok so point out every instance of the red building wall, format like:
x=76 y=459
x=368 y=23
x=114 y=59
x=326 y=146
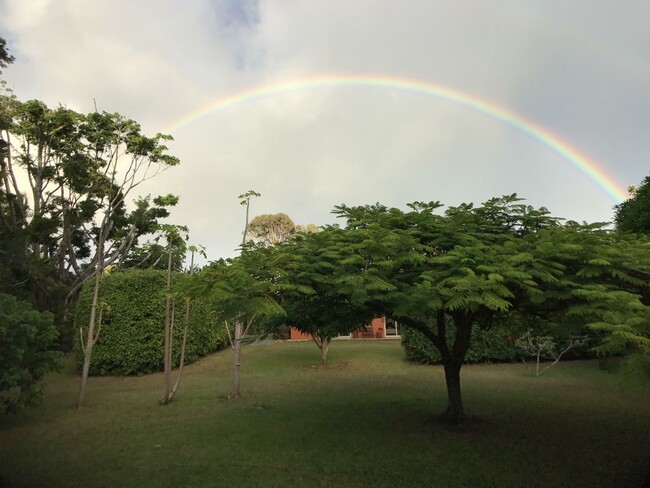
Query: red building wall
x=376 y=329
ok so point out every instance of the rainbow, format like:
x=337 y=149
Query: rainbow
x=582 y=162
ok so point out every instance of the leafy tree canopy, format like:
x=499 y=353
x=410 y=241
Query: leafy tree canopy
x=271 y=229
x=476 y=265
x=633 y=215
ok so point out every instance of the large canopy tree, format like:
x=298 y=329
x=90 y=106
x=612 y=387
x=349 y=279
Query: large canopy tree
x=443 y=274
x=123 y=159
x=80 y=170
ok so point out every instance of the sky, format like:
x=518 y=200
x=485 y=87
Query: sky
x=316 y=103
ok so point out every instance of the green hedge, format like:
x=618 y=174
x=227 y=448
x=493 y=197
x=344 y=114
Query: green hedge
x=494 y=345
x=132 y=335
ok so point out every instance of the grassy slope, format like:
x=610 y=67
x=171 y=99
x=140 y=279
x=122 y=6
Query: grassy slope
x=362 y=422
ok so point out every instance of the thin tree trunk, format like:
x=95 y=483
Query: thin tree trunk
x=184 y=342
x=91 y=338
x=167 y=386
x=325 y=347
x=183 y=347
x=234 y=389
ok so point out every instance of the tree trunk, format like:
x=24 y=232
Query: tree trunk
x=167 y=383
x=90 y=335
x=186 y=327
x=325 y=347
x=234 y=389
x=454 y=414
x=453 y=362
x=183 y=347
x=167 y=361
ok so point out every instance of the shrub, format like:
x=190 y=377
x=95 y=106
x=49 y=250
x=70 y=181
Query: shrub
x=133 y=318
x=27 y=339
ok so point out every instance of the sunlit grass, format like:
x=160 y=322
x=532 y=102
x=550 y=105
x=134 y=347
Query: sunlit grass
x=364 y=421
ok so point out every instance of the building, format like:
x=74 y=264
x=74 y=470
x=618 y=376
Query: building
x=379 y=328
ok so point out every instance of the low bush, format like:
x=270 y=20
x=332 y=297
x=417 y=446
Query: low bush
x=27 y=342
x=133 y=322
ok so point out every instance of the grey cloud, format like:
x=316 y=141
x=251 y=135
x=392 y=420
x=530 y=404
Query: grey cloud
x=580 y=69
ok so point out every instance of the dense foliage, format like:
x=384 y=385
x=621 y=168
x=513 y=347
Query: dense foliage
x=132 y=305
x=633 y=215
x=315 y=301
x=27 y=339
x=66 y=179
x=447 y=274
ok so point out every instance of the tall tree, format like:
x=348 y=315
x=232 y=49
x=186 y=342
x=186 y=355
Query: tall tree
x=175 y=239
x=245 y=201
x=70 y=162
x=126 y=158
x=186 y=323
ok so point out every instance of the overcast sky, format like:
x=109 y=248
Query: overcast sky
x=578 y=69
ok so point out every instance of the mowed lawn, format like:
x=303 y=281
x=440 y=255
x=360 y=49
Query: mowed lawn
x=363 y=421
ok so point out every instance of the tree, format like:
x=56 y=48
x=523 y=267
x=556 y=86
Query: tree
x=51 y=216
x=152 y=254
x=27 y=339
x=271 y=229
x=443 y=274
x=245 y=201
x=545 y=347
x=126 y=158
x=633 y=215
x=243 y=290
x=5 y=58
x=186 y=322
x=175 y=240
x=315 y=301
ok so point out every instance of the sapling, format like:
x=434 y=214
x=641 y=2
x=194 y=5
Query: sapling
x=545 y=347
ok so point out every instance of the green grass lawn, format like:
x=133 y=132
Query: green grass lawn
x=364 y=421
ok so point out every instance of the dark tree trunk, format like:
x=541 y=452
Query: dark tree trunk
x=454 y=414
x=452 y=357
x=453 y=362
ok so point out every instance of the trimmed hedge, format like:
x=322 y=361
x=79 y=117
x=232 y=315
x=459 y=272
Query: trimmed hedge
x=132 y=334
x=495 y=345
